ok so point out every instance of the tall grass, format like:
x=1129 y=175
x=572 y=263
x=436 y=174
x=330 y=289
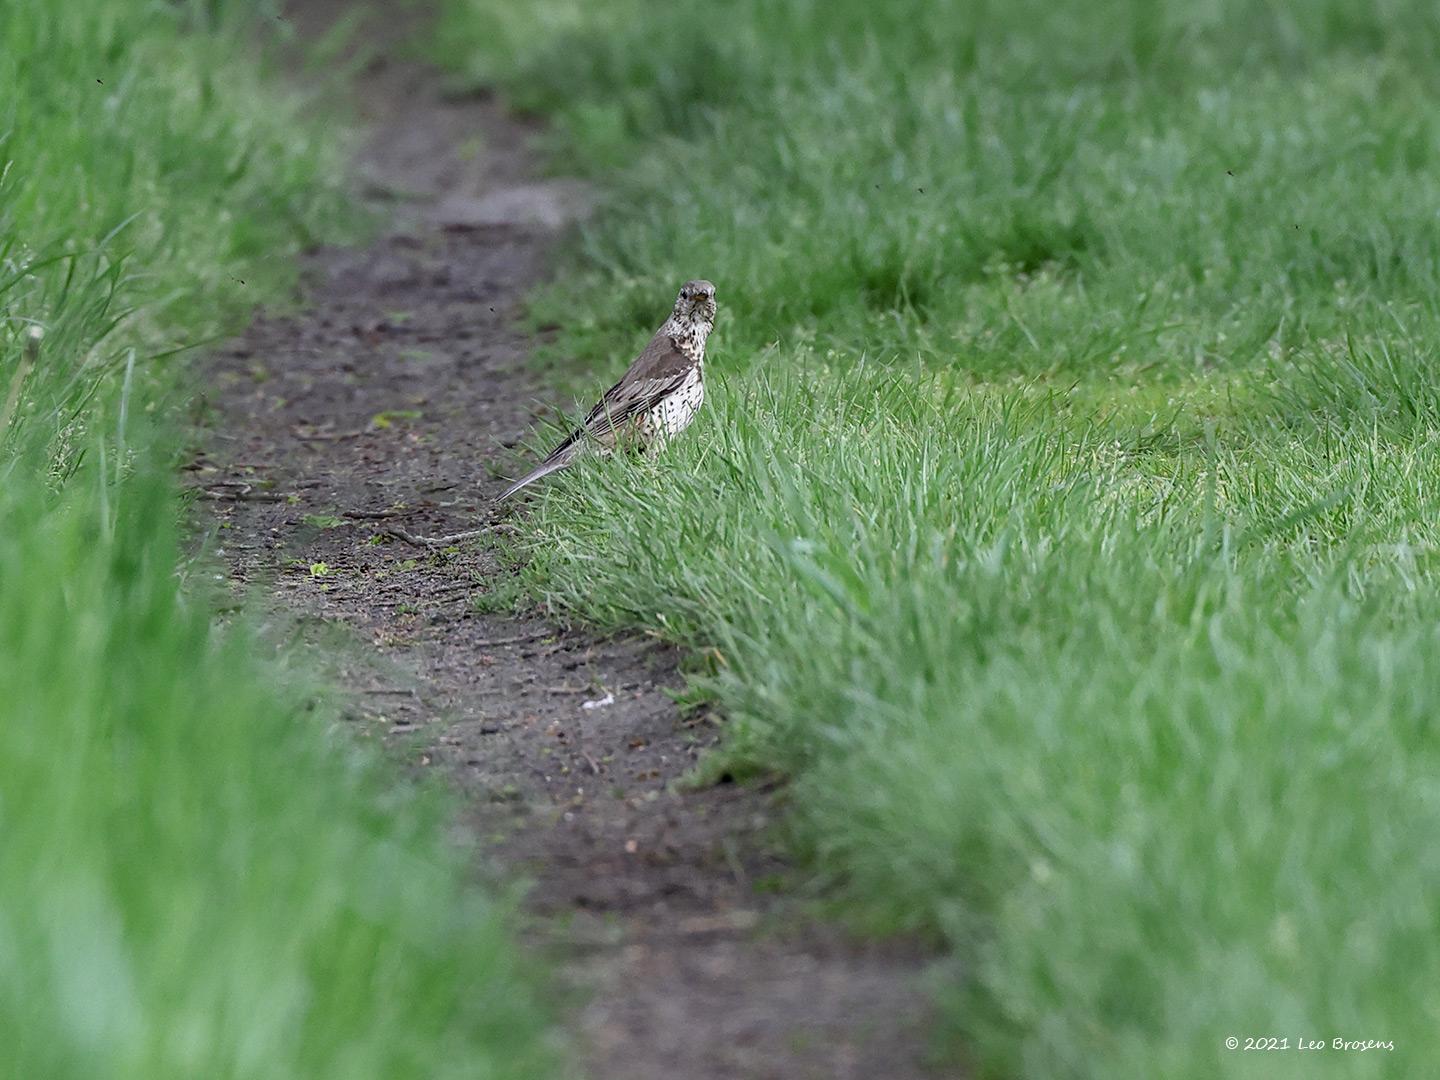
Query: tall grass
x=197 y=877
x=1064 y=518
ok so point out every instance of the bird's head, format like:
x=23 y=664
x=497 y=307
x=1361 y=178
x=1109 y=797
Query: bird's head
x=696 y=302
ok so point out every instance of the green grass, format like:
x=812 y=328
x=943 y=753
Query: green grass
x=200 y=876
x=1063 y=520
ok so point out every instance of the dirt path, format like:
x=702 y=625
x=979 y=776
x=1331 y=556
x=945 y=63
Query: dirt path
x=388 y=403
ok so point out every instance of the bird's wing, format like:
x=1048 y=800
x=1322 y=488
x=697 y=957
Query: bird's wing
x=657 y=373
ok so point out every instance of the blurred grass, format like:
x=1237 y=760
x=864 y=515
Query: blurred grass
x=197 y=878
x=1063 y=519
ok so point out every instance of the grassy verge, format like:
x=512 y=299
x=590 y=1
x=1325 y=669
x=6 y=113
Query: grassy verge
x=1065 y=519
x=195 y=880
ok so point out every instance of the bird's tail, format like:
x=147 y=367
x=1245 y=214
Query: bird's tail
x=562 y=456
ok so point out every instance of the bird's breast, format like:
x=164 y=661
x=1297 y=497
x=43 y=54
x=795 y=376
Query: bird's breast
x=673 y=413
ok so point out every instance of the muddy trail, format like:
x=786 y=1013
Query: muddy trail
x=386 y=410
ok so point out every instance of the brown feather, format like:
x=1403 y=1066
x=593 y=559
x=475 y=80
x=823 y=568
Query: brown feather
x=656 y=373
x=661 y=370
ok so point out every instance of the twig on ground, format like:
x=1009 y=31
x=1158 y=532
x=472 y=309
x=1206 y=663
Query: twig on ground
x=245 y=496
x=439 y=541
x=469 y=534
x=406 y=535
x=435 y=598
x=369 y=515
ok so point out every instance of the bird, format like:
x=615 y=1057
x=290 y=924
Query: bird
x=655 y=399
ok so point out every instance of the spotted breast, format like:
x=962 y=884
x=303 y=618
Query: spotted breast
x=673 y=413
x=656 y=398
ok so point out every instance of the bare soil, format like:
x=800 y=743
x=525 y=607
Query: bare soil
x=386 y=407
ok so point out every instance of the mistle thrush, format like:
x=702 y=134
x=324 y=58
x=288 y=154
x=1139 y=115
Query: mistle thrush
x=656 y=398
